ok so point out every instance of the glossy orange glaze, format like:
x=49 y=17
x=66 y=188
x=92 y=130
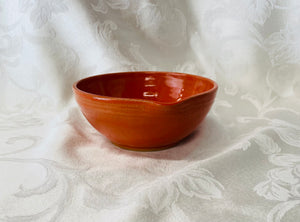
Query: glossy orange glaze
x=145 y=110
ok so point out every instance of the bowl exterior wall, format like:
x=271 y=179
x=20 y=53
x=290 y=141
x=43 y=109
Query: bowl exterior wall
x=142 y=124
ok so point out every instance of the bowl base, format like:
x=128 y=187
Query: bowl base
x=145 y=149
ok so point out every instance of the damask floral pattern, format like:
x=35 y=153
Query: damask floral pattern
x=42 y=10
x=241 y=164
x=282 y=185
x=103 y=5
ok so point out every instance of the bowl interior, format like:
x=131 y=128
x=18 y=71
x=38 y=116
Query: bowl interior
x=160 y=87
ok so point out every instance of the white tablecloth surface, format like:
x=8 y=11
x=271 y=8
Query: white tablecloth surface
x=241 y=164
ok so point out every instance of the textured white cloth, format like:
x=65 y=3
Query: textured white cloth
x=241 y=164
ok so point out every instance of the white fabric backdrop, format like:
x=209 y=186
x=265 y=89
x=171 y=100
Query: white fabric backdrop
x=242 y=164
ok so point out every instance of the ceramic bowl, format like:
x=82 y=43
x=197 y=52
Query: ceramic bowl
x=145 y=111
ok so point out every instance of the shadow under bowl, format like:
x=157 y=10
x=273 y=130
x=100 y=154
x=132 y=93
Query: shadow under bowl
x=145 y=111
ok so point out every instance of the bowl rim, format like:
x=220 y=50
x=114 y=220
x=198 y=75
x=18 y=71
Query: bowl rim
x=98 y=97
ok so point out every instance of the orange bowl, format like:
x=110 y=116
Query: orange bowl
x=145 y=111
